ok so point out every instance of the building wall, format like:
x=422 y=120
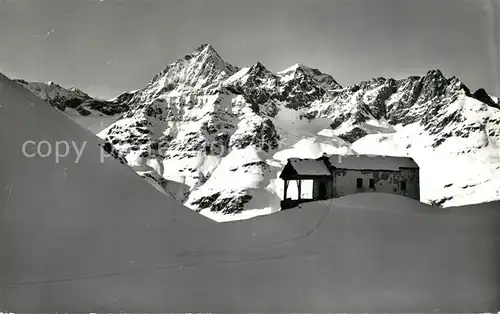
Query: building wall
x=345 y=181
x=413 y=182
x=328 y=186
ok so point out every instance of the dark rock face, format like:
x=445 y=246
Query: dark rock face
x=338 y=120
x=296 y=89
x=105 y=107
x=483 y=96
x=433 y=85
x=353 y=135
x=439 y=203
x=84 y=112
x=108 y=148
x=263 y=136
x=255 y=163
x=423 y=98
x=206 y=201
x=258 y=89
x=73 y=103
x=305 y=88
x=225 y=205
x=377 y=104
x=231 y=205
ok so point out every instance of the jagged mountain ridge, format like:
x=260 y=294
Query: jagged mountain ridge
x=226 y=131
x=188 y=130
x=404 y=101
x=63 y=98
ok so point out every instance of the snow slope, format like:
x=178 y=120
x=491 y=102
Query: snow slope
x=85 y=200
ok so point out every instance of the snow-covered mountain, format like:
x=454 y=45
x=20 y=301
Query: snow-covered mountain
x=204 y=123
x=377 y=105
x=226 y=132
x=223 y=133
x=94 y=114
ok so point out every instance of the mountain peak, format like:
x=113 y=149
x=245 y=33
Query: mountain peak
x=257 y=70
x=258 y=67
x=205 y=49
x=482 y=92
x=299 y=67
x=299 y=70
x=484 y=97
x=203 y=46
x=204 y=64
x=293 y=68
x=434 y=73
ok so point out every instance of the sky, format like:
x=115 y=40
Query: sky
x=106 y=47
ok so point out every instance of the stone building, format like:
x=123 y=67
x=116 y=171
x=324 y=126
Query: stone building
x=336 y=176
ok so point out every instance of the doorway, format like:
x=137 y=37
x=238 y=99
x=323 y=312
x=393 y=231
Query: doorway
x=322 y=191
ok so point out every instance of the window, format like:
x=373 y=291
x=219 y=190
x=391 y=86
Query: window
x=359 y=183
x=372 y=183
x=403 y=186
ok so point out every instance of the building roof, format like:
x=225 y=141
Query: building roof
x=371 y=162
x=305 y=167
